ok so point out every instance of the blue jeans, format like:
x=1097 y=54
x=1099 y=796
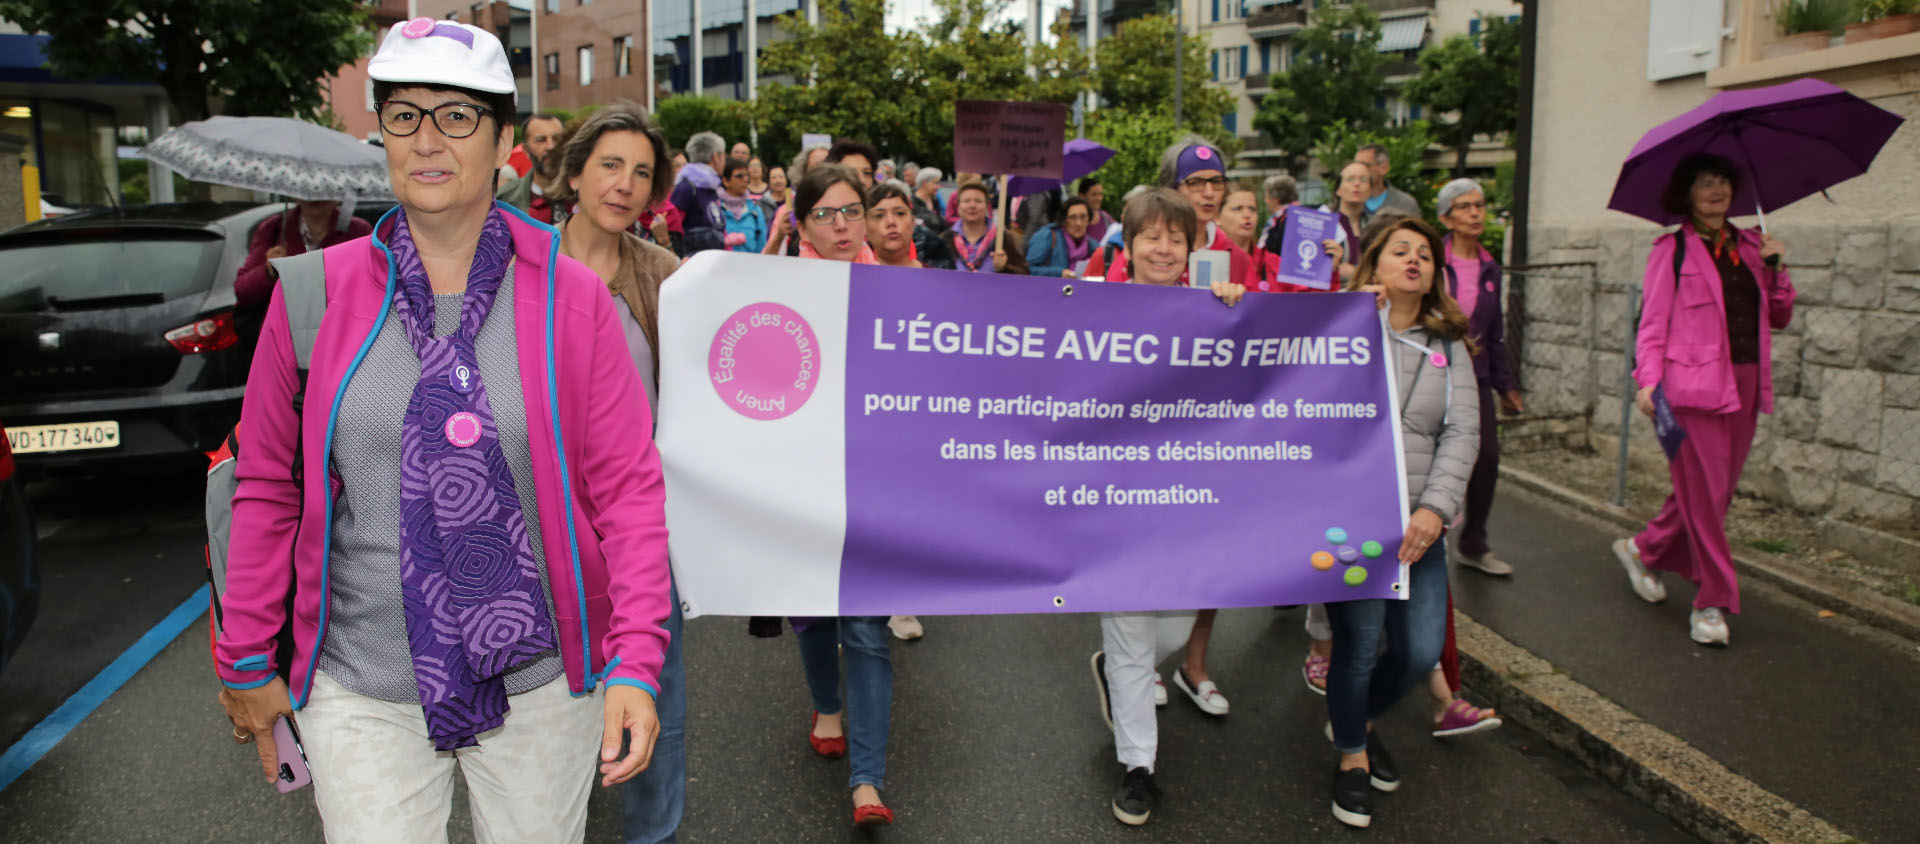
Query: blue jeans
x=869 y=687
x=1362 y=682
x=651 y=804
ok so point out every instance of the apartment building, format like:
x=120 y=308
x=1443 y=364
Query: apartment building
x=1249 y=41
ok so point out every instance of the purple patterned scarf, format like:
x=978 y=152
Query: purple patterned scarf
x=474 y=604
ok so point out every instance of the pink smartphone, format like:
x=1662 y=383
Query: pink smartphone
x=293 y=757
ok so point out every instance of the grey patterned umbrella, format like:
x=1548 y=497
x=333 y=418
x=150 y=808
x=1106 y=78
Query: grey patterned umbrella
x=275 y=154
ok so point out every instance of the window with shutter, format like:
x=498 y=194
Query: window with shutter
x=1215 y=63
x=1243 y=60
x=1266 y=57
x=1216 y=11
x=1683 y=37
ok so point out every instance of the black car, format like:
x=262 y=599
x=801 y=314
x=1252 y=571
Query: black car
x=119 y=339
x=19 y=579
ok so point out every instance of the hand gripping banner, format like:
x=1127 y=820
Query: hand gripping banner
x=843 y=439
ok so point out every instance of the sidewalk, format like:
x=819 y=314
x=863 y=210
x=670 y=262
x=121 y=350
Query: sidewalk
x=1816 y=710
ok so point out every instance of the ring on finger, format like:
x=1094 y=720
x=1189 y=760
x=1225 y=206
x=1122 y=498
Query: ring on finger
x=241 y=737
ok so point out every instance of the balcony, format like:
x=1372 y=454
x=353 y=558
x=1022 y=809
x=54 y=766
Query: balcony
x=1276 y=20
x=1388 y=7
x=1258 y=84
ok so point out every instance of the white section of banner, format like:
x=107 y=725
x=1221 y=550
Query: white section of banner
x=789 y=525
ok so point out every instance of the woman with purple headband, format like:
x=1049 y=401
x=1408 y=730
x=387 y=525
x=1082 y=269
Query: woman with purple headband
x=457 y=505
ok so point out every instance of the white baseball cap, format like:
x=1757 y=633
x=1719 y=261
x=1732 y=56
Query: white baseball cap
x=437 y=52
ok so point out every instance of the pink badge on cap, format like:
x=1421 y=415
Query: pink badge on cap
x=418 y=27
x=1438 y=359
x=1203 y=154
x=463 y=429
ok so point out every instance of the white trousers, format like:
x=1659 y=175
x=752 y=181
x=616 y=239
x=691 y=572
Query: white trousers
x=1136 y=644
x=1319 y=628
x=377 y=778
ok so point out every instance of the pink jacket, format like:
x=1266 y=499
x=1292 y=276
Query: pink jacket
x=1685 y=345
x=587 y=429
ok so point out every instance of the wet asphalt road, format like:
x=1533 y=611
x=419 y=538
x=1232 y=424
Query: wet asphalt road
x=996 y=736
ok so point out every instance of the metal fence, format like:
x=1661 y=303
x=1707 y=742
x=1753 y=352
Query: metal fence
x=1843 y=441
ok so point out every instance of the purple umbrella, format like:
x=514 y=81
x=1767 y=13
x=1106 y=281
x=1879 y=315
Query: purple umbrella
x=1081 y=157
x=1791 y=140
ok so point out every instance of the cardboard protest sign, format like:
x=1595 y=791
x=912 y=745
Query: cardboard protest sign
x=843 y=439
x=1009 y=138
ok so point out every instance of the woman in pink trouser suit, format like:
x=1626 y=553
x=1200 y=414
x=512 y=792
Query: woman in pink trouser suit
x=1706 y=337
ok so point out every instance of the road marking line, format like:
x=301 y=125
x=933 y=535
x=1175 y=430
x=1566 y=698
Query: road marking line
x=55 y=726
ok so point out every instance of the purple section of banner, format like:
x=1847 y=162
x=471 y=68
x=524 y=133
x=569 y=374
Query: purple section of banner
x=959 y=501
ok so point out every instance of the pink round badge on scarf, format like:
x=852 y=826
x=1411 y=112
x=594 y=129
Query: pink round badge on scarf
x=463 y=429
x=418 y=28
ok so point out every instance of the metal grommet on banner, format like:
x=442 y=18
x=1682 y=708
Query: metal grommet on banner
x=1066 y=290
x=1059 y=601
x=1396 y=587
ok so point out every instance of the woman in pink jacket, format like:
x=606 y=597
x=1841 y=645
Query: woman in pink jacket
x=1705 y=339
x=458 y=507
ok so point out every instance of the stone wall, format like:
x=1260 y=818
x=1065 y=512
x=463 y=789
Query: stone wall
x=1844 y=440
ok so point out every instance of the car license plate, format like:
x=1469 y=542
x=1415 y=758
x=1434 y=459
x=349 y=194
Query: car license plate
x=72 y=436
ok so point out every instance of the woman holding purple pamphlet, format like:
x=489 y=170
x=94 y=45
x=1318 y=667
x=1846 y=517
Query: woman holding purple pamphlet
x=1713 y=296
x=457 y=506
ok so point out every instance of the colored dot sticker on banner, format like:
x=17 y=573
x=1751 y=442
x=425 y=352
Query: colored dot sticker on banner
x=1355 y=576
x=1372 y=549
x=1336 y=535
x=1347 y=554
x=1322 y=560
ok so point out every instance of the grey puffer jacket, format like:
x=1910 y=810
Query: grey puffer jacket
x=1441 y=443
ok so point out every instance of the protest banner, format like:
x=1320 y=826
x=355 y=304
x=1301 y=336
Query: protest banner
x=810 y=140
x=844 y=439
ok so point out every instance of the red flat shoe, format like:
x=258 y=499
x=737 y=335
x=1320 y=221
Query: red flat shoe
x=872 y=814
x=832 y=748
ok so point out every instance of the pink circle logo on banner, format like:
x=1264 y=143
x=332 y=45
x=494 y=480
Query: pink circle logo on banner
x=765 y=361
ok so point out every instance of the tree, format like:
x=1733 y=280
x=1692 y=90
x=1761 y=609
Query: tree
x=1134 y=72
x=260 y=58
x=1477 y=81
x=860 y=81
x=683 y=116
x=1404 y=146
x=1336 y=79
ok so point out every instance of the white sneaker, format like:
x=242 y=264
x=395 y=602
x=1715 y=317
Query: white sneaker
x=1709 y=626
x=1205 y=695
x=1644 y=583
x=906 y=628
x=1159 y=690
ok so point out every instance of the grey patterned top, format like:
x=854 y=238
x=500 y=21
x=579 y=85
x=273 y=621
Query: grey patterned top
x=1439 y=420
x=366 y=641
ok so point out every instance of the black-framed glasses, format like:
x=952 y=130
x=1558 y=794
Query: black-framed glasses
x=824 y=216
x=1198 y=182
x=454 y=120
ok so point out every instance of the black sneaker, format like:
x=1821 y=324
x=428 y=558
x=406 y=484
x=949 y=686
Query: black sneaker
x=1137 y=797
x=1352 y=799
x=1099 y=662
x=1385 y=775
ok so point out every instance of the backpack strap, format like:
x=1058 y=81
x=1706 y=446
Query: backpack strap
x=303 y=288
x=1679 y=253
x=303 y=284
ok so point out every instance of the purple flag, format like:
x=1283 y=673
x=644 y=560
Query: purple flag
x=863 y=440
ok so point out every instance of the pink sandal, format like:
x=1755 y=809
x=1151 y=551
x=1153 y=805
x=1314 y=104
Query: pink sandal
x=1315 y=672
x=1462 y=718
